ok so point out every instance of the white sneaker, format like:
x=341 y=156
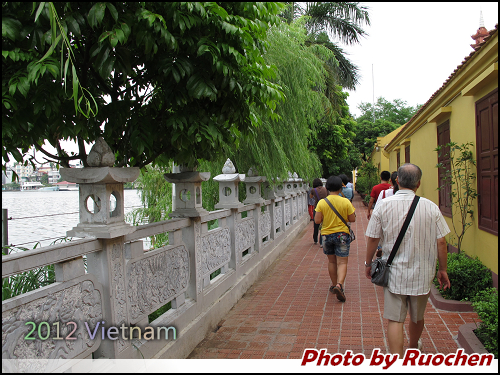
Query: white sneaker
x=420 y=345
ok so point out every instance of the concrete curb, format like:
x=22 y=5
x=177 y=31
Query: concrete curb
x=448 y=304
x=468 y=340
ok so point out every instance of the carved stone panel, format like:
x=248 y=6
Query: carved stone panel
x=198 y=255
x=294 y=208
x=117 y=291
x=245 y=236
x=278 y=217
x=265 y=224
x=215 y=250
x=287 y=212
x=156 y=279
x=78 y=301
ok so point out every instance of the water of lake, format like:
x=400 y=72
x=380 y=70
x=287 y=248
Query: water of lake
x=30 y=209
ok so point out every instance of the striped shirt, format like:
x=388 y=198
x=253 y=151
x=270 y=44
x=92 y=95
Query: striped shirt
x=414 y=265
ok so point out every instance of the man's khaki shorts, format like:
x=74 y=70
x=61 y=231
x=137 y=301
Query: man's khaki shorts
x=396 y=306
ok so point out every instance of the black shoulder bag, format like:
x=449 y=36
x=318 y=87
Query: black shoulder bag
x=380 y=267
x=351 y=233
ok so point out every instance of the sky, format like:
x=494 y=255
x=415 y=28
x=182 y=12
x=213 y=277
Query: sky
x=414 y=47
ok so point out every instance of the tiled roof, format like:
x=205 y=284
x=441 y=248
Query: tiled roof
x=452 y=75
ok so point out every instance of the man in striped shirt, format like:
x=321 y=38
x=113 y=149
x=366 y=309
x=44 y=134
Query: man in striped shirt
x=414 y=265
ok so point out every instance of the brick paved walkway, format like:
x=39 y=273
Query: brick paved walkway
x=290 y=309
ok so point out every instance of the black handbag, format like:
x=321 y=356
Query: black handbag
x=380 y=267
x=351 y=233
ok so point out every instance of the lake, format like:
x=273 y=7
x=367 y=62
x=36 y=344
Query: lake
x=30 y=209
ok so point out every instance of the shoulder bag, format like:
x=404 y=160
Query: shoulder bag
x=380 y=267
x=351 y=233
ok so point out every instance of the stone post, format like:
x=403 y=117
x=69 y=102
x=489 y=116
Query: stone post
x=188 y=193
x=101 y=207
x=228 y=186
x=253 y=188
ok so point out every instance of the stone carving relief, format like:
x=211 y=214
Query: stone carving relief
x=245 y=236
x=288 y=219
x=197 y=246
x=265 y=224
x=294 y=208
x=155 y=280
x=79 y=303
x=117 y=292
x=215 y=250
x=278 y=217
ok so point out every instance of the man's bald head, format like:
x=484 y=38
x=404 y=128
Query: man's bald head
x=409 y=176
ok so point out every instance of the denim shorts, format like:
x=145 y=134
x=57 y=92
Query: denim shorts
x=337 y=244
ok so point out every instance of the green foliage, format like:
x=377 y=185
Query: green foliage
x=156 y=198
x=459 y=174
x=485 y=304
x=397 y=112
x=367 y=178
x=171 y=80
x=44 y=179
x=378 y=121
x=343 y=21
x=162 y=310
x=25 y=282
x=468 y=276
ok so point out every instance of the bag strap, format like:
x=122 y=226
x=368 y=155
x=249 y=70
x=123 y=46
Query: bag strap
x=317 y=196
x=342 y=194
x=383 y=195
x=336 y=212
x=402 y=232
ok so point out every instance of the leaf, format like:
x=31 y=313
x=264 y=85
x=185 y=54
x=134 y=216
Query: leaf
x=39 y=10
x=113 y=11
x=96 y=14
x=104 y=35
x=176 y=74
x=75 y=87
x=120 y=36
x=10 y=28
x=51 y=49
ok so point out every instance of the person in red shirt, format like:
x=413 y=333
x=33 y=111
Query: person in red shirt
x=385 y=176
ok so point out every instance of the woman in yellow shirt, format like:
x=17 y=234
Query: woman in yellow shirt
x=336 y=239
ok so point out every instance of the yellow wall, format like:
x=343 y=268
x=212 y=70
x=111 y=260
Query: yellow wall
x=422 y=132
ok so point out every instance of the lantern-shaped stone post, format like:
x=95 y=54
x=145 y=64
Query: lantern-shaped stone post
x=280 y=188
x=101 y=206
x=253 y=188
x=188 y=197
x=228 y=186
x=289 y=190
x=269 y=191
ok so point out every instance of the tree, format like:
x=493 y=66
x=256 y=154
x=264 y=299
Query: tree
x=378 y=121
x=397 y=112
x=329 y=20
x=157 y=80
x=44 y=179
x=460 y=175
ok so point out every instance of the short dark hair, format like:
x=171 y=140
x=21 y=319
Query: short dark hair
x=317 y=182
x=344 y=179
x=409 y=175
x=334 y=183
x=385 y=176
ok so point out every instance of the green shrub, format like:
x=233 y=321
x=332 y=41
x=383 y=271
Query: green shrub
x=367 y=198
x=485 y=304
x=468 y=276
x=367 y=178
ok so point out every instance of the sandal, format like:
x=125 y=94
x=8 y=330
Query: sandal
x=339 y=292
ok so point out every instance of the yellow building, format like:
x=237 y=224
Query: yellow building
x=464 y=109
x=379 y=157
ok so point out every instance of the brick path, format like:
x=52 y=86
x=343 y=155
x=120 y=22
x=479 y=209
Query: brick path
x=290 y=309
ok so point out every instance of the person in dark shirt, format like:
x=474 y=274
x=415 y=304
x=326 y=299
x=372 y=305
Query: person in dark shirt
x=385 y=176
x=318 y=192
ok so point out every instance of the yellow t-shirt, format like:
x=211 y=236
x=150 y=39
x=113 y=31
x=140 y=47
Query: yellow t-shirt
x=331 y=222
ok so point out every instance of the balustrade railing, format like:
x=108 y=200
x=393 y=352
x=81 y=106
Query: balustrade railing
x=123 y=283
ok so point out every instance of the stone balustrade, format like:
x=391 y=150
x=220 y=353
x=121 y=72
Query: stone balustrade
x=124 y=283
